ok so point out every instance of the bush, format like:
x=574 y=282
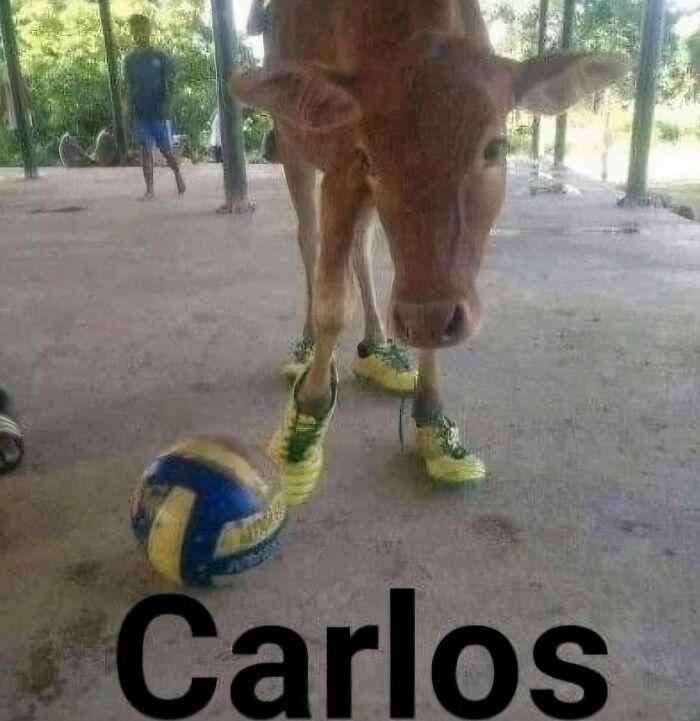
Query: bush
x=519 y=138
x=255 y=126
x=668 y=132
x=62 y=54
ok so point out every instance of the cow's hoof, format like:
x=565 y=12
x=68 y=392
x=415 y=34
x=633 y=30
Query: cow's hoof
x=296 y=447
x=387 y=366
x=299 y=360
x=446 y=459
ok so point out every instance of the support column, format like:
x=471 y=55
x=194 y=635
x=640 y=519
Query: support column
x=232 y=148
x=9 y=39
x=645 y=99
x=541 y=39
x=113 y=73
x=567 y=32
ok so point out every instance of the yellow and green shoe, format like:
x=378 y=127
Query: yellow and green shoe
x=299 y=360
x=387 y=366
x=296 y=447
x=446 y=459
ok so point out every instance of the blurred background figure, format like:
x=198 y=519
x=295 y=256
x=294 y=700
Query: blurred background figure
x=148 y=76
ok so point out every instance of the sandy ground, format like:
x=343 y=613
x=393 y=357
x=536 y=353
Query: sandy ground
x=127 y=325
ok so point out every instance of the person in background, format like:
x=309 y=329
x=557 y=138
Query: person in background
x=148 y=76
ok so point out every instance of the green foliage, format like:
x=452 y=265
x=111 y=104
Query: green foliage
x=255 y=127
x=519 y=138
x=63 y=59
x=667 y=132
x=62 y=54
x=612 y=26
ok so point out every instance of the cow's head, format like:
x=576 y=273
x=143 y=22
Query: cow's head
x=428 y=129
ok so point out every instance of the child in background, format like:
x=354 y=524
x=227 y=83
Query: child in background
x=147 y=72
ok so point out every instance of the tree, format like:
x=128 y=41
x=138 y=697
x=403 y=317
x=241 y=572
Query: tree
x=63 y=57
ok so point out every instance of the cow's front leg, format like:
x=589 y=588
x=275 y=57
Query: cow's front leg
x=447 y=459
x=297 y=445
x=379 y=360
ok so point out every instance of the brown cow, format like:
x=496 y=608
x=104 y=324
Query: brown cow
x=402 y=105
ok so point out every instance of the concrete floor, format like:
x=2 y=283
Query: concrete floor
x=126 y=325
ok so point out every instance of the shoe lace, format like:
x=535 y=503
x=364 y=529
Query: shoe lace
x=449 y=437
x=396 y=356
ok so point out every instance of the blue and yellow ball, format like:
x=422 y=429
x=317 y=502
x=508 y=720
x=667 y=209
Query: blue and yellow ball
x=203 y=513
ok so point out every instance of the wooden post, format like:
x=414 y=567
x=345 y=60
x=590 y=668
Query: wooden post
x=541 y=39
x=645 y=99
x=14 y=72
x=230 y=121
x=113 y=73
x=567 y=31
x=607 y=135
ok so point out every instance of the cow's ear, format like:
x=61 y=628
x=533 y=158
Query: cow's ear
x=310 y=96
x=550 y=85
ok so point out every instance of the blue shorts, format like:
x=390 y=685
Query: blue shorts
x=151 y=132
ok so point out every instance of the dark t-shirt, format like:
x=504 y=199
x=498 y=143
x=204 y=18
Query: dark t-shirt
x=147 y=71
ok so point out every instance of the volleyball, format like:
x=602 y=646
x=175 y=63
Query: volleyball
x=202 y=512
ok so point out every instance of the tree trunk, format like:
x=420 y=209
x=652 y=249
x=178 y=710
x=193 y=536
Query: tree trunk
x=113 y=74
x=541 y=39
x=645 y=99
x=14 y=72
x=567 y=31
x=232 y=148
x=607 y=136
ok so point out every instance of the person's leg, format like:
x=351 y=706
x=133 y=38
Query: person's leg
x=11 y=439
x=171 y=160
x=147 y=164
x=164 y=142
x=142 y=130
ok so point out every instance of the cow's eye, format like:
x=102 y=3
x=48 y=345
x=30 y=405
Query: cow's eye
x=495 y=151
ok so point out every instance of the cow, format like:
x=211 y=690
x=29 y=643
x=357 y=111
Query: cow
x=402 y=105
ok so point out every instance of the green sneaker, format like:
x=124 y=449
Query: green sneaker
x=386 y=365
x=297 y=445
x=446 y=459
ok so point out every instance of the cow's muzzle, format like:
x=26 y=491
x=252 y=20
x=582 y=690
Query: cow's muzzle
x=433 y=325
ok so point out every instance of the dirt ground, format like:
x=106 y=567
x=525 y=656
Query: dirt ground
x=126 y=325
